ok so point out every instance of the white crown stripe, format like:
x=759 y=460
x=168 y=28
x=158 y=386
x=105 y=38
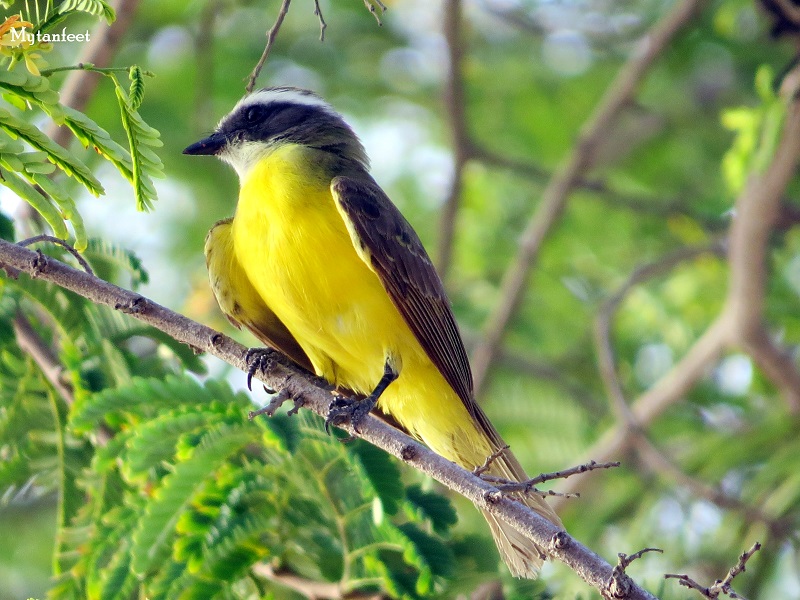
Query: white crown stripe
x=270 y=96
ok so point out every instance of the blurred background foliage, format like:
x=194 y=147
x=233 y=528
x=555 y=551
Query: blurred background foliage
x=533 y=73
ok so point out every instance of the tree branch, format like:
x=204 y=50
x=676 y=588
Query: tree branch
x=271 y=35
x=648 y=453
x=204 y=65
x=664 y=393
x=741 y=319
x=32 y=344
x=604 y=192
x=721 y=586
x=454 y=101
x=280 y=375
x=605 y=317
x=314 y=590
x=756 y=213
x=555 y=196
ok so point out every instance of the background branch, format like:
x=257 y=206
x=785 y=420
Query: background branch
x=740 y=322
x=34 y=346
x=556 y=194
x=271 y=35
x=454 y=103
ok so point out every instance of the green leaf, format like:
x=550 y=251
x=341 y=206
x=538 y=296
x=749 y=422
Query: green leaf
x=6 y=228
x=188 y=358
x=136 y=91
x=383 y=473
x=438 y=556
x=91 y=134
x=68 y=208
x=238 y=547
x=146 y=164
x=156 y=440
x=38 y=201
x=98 y=8
x=17 y=128
x=108 y=259
x=147 y=396
x=25 y=87
x=433 y=506
x=157 y=526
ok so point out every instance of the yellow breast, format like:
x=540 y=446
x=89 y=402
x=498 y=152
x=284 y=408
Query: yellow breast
x=296 y=250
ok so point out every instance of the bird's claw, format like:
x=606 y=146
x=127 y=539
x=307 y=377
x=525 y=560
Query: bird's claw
x=257 y=359
x=352 y=410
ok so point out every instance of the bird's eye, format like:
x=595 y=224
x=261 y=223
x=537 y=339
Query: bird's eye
x=255 y=114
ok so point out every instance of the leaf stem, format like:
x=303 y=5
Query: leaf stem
x=91 y=67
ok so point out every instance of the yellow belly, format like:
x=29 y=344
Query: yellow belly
x=295 y=249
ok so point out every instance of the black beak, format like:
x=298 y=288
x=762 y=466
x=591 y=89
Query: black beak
x=208 y=146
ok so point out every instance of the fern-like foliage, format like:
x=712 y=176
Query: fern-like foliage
x=141 y=139
x=30 y=174
x=16 y=127
x=55 y=14
x=98 y=8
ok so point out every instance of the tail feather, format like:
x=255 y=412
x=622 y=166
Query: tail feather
x=522 y=556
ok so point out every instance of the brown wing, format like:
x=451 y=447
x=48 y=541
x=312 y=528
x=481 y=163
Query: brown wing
x=391 y=248
x=239 y=300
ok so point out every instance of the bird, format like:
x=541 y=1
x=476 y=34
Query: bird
x=319 y=264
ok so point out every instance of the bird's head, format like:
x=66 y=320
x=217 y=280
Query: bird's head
x=272 y=117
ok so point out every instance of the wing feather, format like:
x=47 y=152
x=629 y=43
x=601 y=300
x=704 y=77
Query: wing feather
x=392 y=249
x=239 y=300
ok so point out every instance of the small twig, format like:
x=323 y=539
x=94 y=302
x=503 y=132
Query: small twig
x=505 y=486
x=624 y=559
x=92 y=68
x=32 y=344
x=720 y=586
x=322 y=24
x=68 y=247
x=271 y=35
x=619 y=584
x=530 y=484
x=370 y=4
x=489 y=460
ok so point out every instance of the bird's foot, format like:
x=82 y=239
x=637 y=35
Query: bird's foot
x=352 y=410
x=275 y=403
x=257 y=359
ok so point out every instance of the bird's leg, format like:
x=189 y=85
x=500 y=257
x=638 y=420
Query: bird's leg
x=344 y=409
x=257 y=359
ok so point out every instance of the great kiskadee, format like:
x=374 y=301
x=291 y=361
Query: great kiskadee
x=319 y=264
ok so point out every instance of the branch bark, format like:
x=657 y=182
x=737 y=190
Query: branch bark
x=756 y=214
x=280 y=375
x=571 y=172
